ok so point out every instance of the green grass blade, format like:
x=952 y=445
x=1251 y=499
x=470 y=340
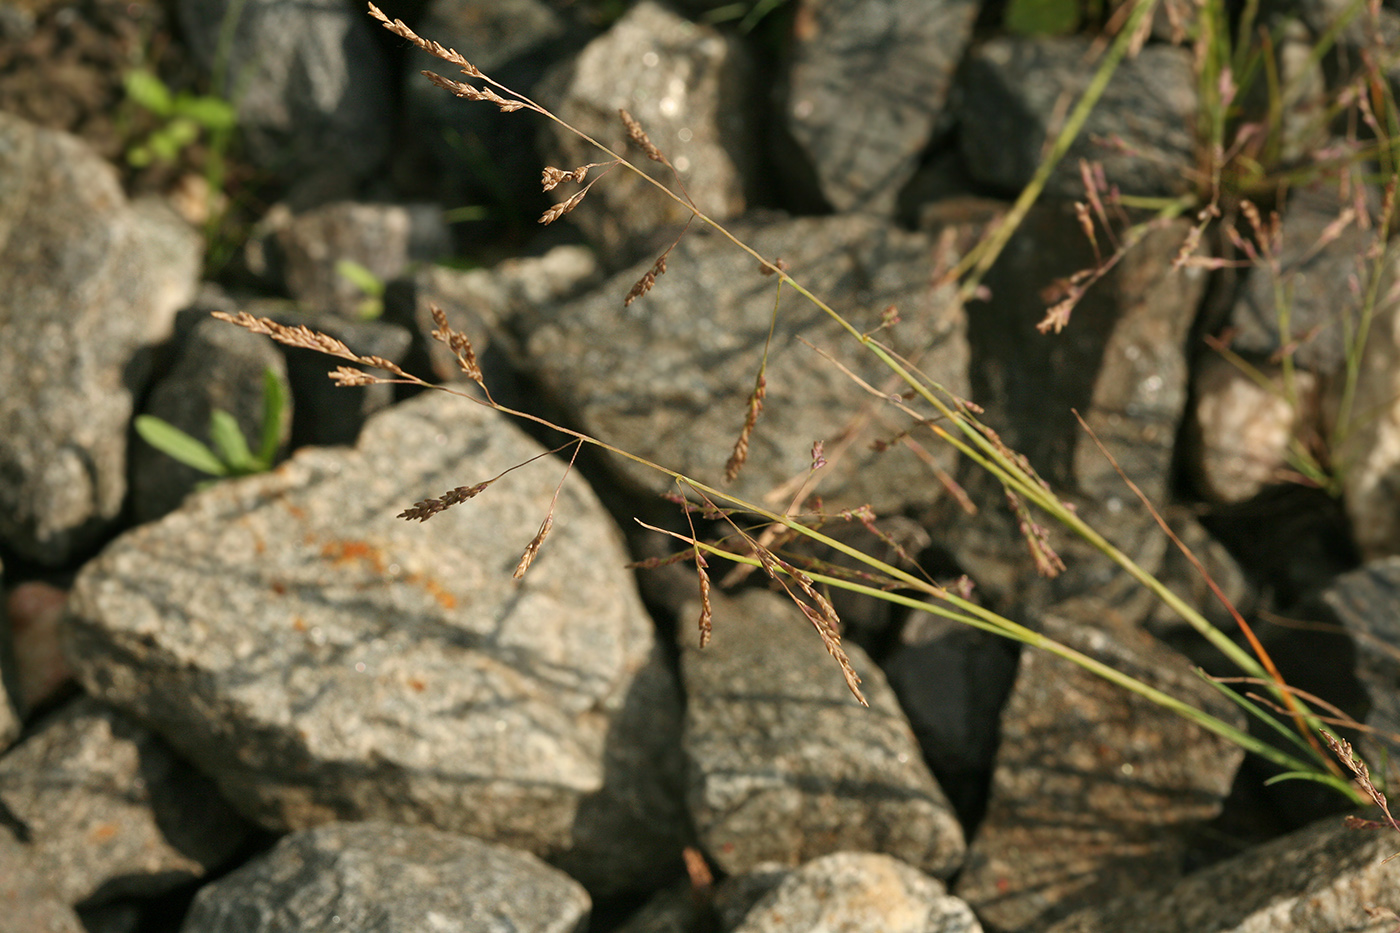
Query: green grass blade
x=176 y=444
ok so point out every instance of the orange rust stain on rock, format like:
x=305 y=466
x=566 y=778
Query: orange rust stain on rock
x=437 y=591
x=349 y=552
x=104 y=832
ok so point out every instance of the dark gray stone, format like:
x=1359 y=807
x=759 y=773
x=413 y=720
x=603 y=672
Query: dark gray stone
x=88 y=280
x=669 y=377
x=324 y=660
x=868 y=83
x=951 y=680
x=687 y=86
x=1012 y=91
x=382 y=878
x=109 y=812
x=309 y=84
x=1096 y=790
x=465 y=152
x=859 y=891
x=1325 y=878
x=386 y=239
x=10 y=724
x=785 y=765
x=217 y=367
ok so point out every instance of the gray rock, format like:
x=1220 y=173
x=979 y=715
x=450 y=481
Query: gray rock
x=30 y=902
x=1240 y=433
x=217 y=367
x=868 y=82
x=1096 y=790
x=1012 y=93
x=1316 y=276
x=324 y=660
x=385 y=239
x=847 y=892
x=109 y=812
x=40 y=671
x=687 y=86
x=87 y=280
x=785 y=765
x=1366 y=604
x=495 y=304
x=669 y=377
x=309 y=84
x=1325 y=878
x=382 y=878
x=1121 y=362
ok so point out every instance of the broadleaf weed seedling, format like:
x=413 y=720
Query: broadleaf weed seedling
x=230 y=455
x=931 y=407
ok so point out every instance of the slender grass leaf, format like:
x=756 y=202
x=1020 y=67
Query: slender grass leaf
x=178 y=445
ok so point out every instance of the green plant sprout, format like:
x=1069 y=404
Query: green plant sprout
x=184 y=117
x=369 y=284
x=230 y=455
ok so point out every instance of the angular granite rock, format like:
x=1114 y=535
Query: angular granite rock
x=1096 y=790
x=785 y=765
x=325 y=660
x=1325 y=878
x=669 y=377
x=378 y=878
x=88 y=279
x=859 y=891
x=108 y=811
x=868 y=83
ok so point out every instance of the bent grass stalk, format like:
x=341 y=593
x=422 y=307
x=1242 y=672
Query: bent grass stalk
x=973 y=439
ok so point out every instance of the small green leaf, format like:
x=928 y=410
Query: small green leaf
x=230 y=443
x=274 y=411
x=360 y=277
x=178 y=445
x=139 y=156
x=148 y=91
x=209 y=112
x=1042 y=17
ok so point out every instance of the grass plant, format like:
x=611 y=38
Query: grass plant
x=753 y=528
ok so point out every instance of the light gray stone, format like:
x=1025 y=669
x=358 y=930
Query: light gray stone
x=323 y=659
x=852 y=892
x=382 y=878
x=87 y=280
x=687 y=86
x=785 y=765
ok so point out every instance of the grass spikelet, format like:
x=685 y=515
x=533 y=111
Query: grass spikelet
x=645 y=283
x=458 y=343
x=348 y=377
x=533 y=548
x=563 y=207
x=427 y=508
x=470 y=92
x=304 y=338
x=706 y=622
x=740 y=455
x=452 y=56
x=640 y=137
